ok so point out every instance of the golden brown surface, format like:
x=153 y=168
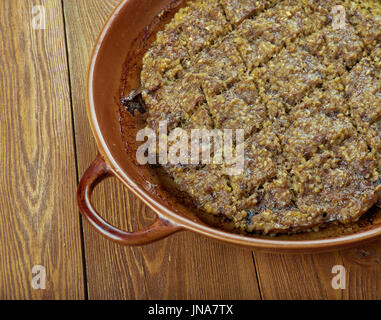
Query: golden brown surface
x=306 y=94
x=175 y=268
x=185 y=266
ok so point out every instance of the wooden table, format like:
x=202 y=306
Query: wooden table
x=45 y=146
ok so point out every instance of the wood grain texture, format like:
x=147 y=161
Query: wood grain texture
x=182 y=266
x=39 y=221
x=310 y=276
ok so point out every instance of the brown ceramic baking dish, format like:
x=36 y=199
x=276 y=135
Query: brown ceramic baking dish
x=115 y=70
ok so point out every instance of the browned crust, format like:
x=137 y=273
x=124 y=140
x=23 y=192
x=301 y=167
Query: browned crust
x=307 y=95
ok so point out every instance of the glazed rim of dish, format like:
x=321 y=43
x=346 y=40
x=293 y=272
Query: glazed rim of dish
x=179 y=222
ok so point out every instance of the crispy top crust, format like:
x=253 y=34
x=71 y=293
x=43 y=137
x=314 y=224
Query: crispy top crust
x=308 y=96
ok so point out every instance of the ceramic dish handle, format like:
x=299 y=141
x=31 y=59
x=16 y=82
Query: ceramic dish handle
x=97 y=172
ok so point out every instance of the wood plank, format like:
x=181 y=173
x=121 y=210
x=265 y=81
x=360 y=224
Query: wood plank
x=310 y=276
x=183 y=266
x=39 y=221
